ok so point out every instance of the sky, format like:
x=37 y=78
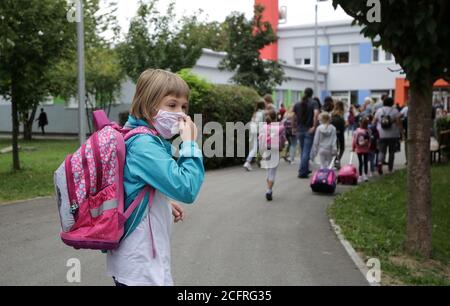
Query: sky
x=298 y=11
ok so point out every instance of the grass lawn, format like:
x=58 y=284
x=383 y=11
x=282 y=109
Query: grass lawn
x=373 y=219
x=36 y=177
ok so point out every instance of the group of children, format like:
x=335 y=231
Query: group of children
x=364 y=145
x=325 y=146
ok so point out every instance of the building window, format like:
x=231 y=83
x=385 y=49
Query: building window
x=376 y=55
x=381 y=56
x=377 y=94
x=354 y=97
x=303 y=61
x=303 y=56
x=388 y=57
x=341 y=58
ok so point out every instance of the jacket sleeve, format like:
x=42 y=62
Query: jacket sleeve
x=315 y=147
x=179 y=180
x=354 y=142
x=334 y=142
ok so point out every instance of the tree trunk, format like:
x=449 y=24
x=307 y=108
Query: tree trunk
x=15 y=129
x=419 y=225
x=28 y=124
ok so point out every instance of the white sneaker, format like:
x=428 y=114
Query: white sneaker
x=365 y=178
x=360 y=179
x=247 y=166
x=370 y=175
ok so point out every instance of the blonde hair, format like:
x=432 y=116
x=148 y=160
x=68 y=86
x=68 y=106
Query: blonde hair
x=324 y=118
x=152 y=87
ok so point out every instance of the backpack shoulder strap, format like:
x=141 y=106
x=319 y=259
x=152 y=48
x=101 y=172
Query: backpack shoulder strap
x=140 y=130
x=138 y=200
x=100 y=119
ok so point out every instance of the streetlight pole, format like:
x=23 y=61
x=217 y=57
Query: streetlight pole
x=81 y=77
x=316 y=52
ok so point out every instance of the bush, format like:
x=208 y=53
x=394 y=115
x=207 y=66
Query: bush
x=442 y=124
x=220 y=103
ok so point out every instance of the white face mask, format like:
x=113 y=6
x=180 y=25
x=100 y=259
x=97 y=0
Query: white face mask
x=167 y=123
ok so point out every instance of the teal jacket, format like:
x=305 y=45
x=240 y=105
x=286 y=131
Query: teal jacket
x=149 y=161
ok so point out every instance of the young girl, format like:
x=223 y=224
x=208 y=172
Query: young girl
x=361 y=145
x=338 y=121
x=271 y=142
x=257 y=119
x=373 y=153
x=324 y=141
x=290 y=131
x=160 y=103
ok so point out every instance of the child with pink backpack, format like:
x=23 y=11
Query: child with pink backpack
x=115 y=193
x=271 y=142
x=362 y=146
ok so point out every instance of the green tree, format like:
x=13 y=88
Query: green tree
x=104 y=76
x=33 y=34
x=211 y=35
x=155 y=40
x=103 y=72
x=417 y=33
x=245 y=40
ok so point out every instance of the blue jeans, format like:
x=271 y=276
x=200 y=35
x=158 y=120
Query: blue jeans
x=306 y=140
x=292 y=148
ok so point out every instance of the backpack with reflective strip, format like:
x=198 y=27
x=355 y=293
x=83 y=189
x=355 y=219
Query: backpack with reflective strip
x=89 y=188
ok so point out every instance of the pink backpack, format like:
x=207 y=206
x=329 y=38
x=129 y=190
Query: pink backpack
x=272 y=136
x=89 y=188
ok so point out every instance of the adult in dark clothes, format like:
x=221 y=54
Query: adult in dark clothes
x=307 y=112
x=42 y=120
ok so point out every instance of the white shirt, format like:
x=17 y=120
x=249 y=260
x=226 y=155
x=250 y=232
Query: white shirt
x=132 y=263
x=404 y=112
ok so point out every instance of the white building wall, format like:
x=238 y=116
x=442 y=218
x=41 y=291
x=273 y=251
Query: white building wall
x=361 y=75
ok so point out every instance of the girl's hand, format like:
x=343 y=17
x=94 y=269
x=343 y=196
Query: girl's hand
x=177 y=212
x=188 y=129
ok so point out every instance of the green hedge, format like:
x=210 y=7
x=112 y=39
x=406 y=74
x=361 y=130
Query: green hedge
x=217 y=103
x=443 y=124
x=220 y=103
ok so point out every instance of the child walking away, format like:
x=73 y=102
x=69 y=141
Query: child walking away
x=324 y=141
x=338 y=121
x=271 y=143
x=290 y=131
x=373 y=153
x=159 y=105
x=362 y=145
x=257 y=119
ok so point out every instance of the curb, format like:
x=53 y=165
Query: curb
x=24 y=200
x=352 y=253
